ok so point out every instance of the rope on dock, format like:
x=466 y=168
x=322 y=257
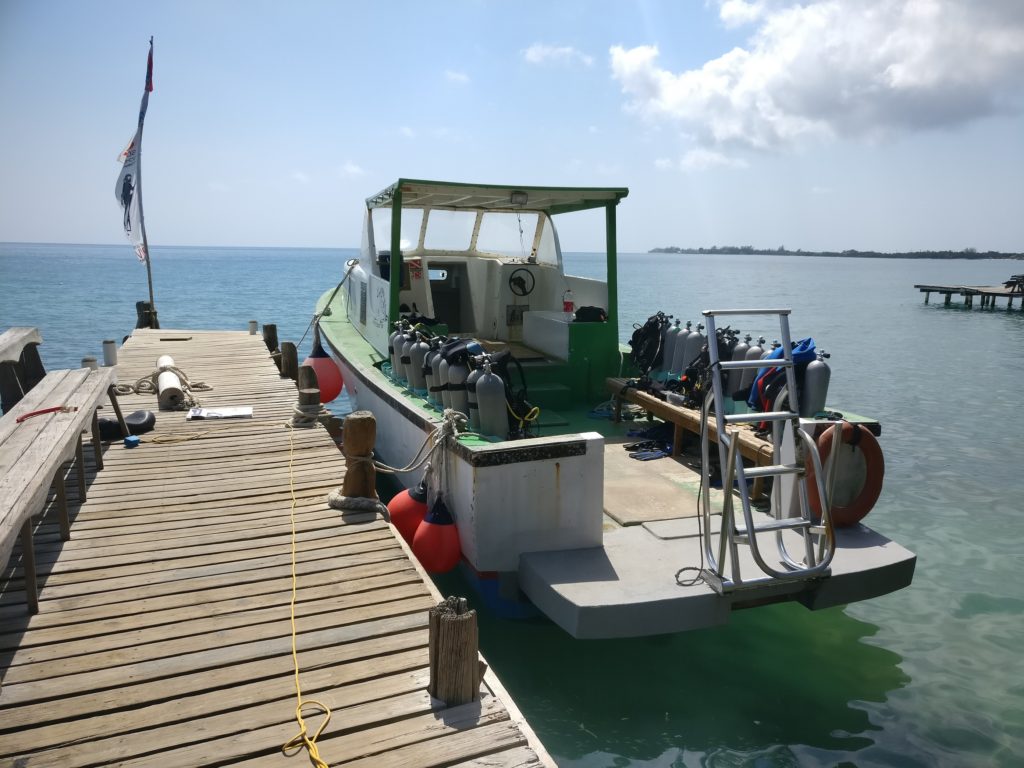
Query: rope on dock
x=147 y=385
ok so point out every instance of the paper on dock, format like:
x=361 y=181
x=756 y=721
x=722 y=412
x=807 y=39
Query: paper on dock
x=226 y=412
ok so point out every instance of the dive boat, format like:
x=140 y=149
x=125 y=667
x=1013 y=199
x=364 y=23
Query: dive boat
x=458 y=282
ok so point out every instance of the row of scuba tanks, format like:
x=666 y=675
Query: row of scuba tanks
x=452 y=373
x=682 y=346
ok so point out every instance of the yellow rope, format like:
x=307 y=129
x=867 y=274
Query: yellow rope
x=302 y=739
x=531 y=415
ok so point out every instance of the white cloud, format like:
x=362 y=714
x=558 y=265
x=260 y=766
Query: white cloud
x=828 y=68
x=408 y=132
x=351 y=169
x=664 y=164
x=735 y=13
x=454 y=76
x=593 y=129
x=300 y=177
x=539 y=53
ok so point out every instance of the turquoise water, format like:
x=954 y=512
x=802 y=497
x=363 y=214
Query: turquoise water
x=930 y=676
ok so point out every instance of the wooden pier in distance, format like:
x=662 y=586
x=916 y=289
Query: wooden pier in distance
x=1010 y=290
x=163 y=634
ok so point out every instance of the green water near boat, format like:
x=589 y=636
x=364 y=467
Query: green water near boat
x=930 y=676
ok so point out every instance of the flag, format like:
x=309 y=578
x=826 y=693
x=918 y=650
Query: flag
x=128 y=190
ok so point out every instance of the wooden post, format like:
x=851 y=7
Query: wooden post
x=926 y=295
x=62 y=503
x=360 y=436
x=80 y=470
x=289 y=360
x=949 y=298
x=455 y=666
x=270 y=337
x=97 y=449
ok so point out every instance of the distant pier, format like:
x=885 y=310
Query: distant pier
x=1010 y=290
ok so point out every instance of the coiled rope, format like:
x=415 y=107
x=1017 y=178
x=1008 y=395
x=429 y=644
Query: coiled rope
x=147 y=385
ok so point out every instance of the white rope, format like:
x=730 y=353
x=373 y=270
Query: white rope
x=356 y=504
x=147 y=385
x=307 y=416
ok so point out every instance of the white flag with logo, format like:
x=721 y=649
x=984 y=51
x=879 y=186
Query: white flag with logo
x=128 y=191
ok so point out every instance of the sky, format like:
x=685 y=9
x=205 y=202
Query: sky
x=826 y=125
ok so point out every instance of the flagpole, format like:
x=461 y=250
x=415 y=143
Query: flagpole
x=138 y=191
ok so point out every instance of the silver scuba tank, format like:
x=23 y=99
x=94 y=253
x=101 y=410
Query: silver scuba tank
x=405 y=360
x=694 y=344
x=392 y=342
x=815 y=390
x=775 y=345
x=471 y=401
x=417 y=356
x=680 y=350
x=753 y=353
x=735 y=378
x=457 y=375
x=671 y=339
x=428 y=371
x=442 y=382
x=490 y=398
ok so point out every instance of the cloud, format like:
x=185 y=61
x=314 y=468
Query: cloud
x=735 y=13
x=539 y=53
x=300 y=177
x=454 y=76
x=699 y=159
x=863 y=69
x=351 y=169
x=408 y=132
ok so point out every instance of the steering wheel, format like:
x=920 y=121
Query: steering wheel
x=521 y=282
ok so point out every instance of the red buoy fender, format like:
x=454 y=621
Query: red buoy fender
x=436 y=543
x=407 y=510
x=860 y=436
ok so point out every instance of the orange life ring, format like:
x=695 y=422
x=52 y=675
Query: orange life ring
x=861 y=437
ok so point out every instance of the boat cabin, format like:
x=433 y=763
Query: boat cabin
x=485 y=262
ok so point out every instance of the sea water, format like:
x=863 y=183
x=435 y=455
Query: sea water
x=929 y=676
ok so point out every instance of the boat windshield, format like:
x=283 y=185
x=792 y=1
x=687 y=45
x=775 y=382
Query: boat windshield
x=525 y=235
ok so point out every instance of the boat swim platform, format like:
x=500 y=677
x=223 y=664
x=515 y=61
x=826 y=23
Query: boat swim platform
x=1010 y=290
x=628 y=586
x=163 y=634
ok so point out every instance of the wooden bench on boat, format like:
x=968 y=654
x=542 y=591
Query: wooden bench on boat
x=38 y=437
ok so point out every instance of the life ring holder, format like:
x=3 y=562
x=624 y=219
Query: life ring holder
x=855 y=435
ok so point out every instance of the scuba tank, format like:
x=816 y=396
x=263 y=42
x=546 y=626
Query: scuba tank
x=417 y=356
x=694 y=344
x=815 y=389
x=671 y=340
x=458 y=372
x=405 y=361
x=471 y=401
x=442 y=381
x=393 y=341
x=734 y=378
x=680 y=350
x=753 y=353
x=430 y=372
x=490 y=397
x=775 y=345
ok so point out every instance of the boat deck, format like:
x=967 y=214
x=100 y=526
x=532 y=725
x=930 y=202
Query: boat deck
x=163 y=636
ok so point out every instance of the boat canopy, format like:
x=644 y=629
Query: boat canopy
x=417 y=193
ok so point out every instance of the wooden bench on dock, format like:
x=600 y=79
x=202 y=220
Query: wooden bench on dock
x=38 y=437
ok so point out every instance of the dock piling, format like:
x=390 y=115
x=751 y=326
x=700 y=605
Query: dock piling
x=360 y=431
x=455 y=666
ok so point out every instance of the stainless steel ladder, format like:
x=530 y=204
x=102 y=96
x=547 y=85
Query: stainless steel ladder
x=723 y=570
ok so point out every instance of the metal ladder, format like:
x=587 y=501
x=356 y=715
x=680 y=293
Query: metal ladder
x=723 y=571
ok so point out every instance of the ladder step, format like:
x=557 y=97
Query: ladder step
x=754 y=418
x=720 y=312
x=787 y=524
x=732 y=365
x=772 y=470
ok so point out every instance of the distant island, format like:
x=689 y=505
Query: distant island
x=731 y=250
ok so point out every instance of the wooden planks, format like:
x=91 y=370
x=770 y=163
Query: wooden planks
x=164 y=636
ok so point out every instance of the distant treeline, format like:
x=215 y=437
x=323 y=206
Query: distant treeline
x=729 y=250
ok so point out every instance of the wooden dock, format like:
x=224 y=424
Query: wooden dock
x=163 y=634
x=1010 y=290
